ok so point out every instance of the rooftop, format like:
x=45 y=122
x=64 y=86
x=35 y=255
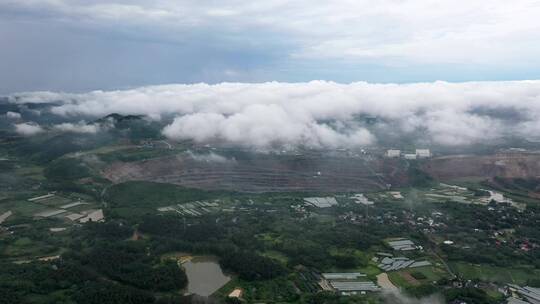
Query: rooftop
x=354 y=286
x=343 y=276
x=403 y=244
x=321 y=202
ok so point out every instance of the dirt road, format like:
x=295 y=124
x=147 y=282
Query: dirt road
x=385 y=283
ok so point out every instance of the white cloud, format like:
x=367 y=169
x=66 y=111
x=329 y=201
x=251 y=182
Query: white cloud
x=13 y=115
x=38 y=97
x=449 y=127
x=396 y=297
x=210 y=157
x=263 y=126
x=323 y=114
x=81 y=127
x=28 y=128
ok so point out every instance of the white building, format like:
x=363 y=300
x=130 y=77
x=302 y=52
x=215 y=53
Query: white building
x=423 y=153
x=321 y=202
x=362 y=199
x=94 y=216
x=393 y=153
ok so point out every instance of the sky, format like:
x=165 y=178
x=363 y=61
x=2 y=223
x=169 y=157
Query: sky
x=84 y=45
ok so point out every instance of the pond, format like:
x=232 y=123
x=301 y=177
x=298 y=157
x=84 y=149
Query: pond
x=204 y=275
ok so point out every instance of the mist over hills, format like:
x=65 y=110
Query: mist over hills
x=316 y=115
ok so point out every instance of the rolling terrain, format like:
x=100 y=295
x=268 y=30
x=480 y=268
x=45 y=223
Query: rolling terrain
x=319 y=173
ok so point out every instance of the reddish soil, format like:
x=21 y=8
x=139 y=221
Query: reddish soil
x=410 y=279
x=264 y=173
x=515 y=165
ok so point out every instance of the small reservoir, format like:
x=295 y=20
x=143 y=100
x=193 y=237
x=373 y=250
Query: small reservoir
x=204 y=275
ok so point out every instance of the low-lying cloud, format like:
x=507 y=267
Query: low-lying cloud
x=320 y=113
x=210 y=157
x=80 y=127
x=31 y=128
x=396 y=297
x=28 y=129
x=13 y=115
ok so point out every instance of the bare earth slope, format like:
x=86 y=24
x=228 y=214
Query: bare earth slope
x=317 y=173
x=506 y=165
x=263 y=173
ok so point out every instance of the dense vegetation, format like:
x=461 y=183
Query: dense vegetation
x=152 y=194
x=251 y=266
x=101 y=266
x=128 y=262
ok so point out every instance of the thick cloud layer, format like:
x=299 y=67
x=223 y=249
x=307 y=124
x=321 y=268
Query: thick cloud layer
x=318 y=113
x=263 y=126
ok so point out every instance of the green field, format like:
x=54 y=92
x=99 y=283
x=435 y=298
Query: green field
x=278 y=290
x=23 y=208
x=55 y=201
x=430 y=273
x=139 y=198
x=398 y=280
x=132 y=154
x=32 y=172
x=488 y=273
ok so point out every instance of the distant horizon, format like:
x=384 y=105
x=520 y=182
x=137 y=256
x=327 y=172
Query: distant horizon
x=133 y=87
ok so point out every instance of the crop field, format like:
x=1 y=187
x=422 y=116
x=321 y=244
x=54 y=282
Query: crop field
x=26 y=247
x=81 y=208
x=196 y=208
x=24 y=208
x=418 y=275
x=278 y=290
x=431 y=273
x=55 y=201
x=488 y=273
x=57 y=207
x=154 y=195
x=32 y=172
x=131 y=153
x=513 y=165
